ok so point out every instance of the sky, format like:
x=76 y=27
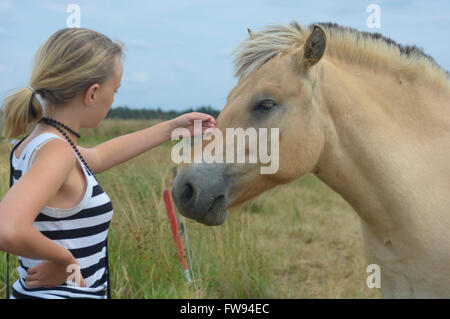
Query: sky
x=178 y=52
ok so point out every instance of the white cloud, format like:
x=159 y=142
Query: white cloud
x=136 y=42
x=51 y=6
x=5 y=68
x=224 y=51
x=6 y=6
x=3 y=31
x=138 y=77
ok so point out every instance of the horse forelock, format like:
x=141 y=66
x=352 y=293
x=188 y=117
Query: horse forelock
x=272 y=41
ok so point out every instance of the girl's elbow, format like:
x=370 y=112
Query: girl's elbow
x=5 y=239
x=8 y=237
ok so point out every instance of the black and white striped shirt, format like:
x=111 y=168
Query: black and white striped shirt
x=83 y=230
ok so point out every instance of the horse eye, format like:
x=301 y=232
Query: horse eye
x=265 y=105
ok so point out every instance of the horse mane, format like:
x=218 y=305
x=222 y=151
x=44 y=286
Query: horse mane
x=370 y=49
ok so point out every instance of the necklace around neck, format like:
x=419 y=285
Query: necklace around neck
x=51 y=122
x=61 y=128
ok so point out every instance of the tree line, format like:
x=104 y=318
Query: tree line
x=125 y=112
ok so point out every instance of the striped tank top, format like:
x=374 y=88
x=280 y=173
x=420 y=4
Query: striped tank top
x=83 y=230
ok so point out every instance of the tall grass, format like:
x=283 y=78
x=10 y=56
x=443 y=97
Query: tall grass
x=296 y=241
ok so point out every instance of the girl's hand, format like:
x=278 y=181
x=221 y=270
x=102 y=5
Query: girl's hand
x=187 y=121
x=49 y=274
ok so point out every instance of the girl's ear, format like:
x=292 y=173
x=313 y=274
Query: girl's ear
x=90 y=94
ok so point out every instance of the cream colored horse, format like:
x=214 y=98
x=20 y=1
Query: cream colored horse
x=370 y=118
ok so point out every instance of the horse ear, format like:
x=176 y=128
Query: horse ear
x=250 y=33
x=313 y=49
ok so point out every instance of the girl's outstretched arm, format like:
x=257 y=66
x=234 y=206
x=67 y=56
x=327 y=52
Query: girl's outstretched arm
x=123 y=148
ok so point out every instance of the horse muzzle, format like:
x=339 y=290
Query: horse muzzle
x=200 y=193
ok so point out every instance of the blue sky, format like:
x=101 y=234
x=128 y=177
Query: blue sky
x=178 y=51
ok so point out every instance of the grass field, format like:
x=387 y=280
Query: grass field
x=299 y=240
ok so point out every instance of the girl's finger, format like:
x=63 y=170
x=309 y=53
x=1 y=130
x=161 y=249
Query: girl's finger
x=31 y=277
x=204 y=117
x=32 y=270
x=33 y=284
x=207 y=125
x=211 y=119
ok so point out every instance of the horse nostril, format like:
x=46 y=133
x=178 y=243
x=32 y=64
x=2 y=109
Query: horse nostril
x=187 y=194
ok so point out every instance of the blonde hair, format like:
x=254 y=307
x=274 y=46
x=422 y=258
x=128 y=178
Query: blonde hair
x=69 y=62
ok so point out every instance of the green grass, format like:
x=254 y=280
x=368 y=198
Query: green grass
x=295 y=241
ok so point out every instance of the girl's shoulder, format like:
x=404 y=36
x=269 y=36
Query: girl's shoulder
x=48 y=148
x=53 y=155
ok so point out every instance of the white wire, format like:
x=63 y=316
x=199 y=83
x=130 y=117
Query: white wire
x=188 y=248
x=183 y=227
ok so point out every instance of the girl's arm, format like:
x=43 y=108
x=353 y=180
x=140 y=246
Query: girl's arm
x=125 y=147
x=23 y=202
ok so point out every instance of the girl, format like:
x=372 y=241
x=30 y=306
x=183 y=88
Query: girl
x=56 y=216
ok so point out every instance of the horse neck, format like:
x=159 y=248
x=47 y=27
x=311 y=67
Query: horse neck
x=372 y=126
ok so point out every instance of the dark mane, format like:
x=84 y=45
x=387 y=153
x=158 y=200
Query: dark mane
x=406 y=50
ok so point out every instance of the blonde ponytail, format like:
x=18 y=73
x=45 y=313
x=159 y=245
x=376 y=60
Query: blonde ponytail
x=70 y=61
x=19 y=110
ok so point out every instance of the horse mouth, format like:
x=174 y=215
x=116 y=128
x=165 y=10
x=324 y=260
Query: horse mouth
x=218 y=204
x=216 y=214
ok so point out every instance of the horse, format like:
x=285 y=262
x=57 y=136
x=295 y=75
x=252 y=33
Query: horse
x=369 y=117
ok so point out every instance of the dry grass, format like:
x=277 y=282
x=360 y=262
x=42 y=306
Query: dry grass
x=313 y=239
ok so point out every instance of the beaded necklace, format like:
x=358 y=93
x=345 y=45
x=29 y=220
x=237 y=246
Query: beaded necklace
x=60 y=127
